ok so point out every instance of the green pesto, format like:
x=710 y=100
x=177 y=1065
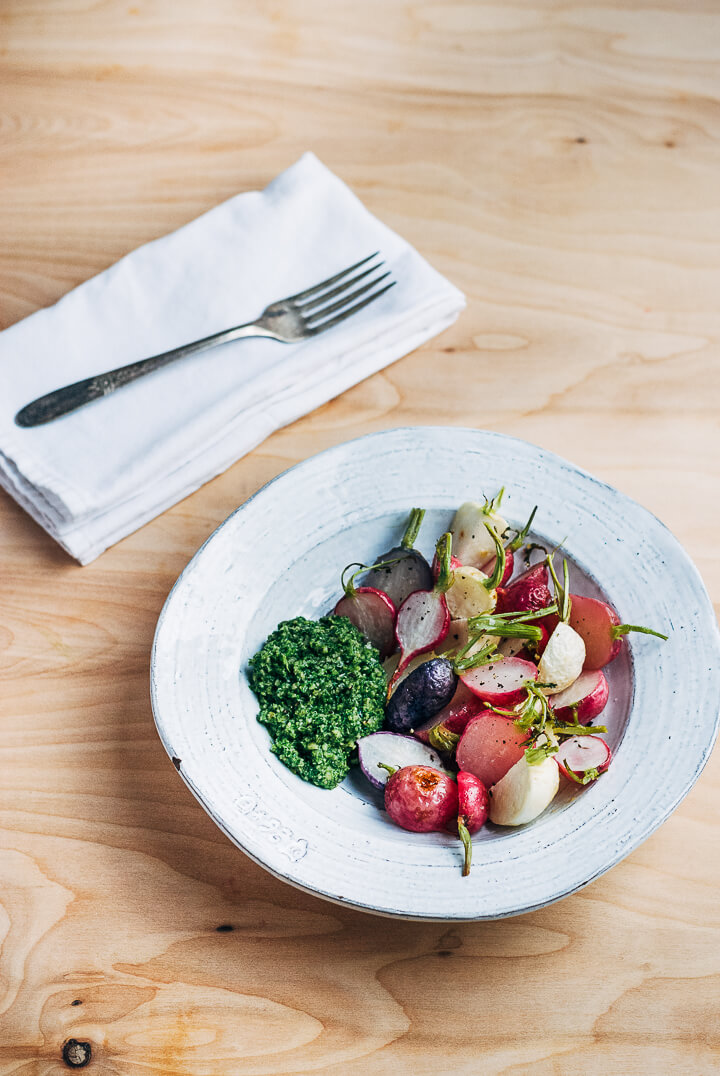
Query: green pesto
x=321 y=686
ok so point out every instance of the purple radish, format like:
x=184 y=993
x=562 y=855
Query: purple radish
x=402 y=569
x=501 y=682
x=391 y=749
x=583 y=758
x=586 y=697
x=423 y=619
x=370 y=610
x=421 y=695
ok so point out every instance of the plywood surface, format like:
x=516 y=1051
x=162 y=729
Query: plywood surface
x=561 y=164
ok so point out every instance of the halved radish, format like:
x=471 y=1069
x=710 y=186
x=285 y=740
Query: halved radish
x=583 y=758
x=453 y=718
x=500 y=682
x=562 y=659
x=395 y=750
x=373 y=613
x=586 y=697
x=524 y=792
x=423 y=619
x=599 y=626
x=490 y=746
x=402 y=569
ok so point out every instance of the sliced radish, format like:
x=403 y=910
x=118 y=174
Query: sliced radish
x=423 y=621
x=562 y=659
x=490 y=745
x=501 y=682
x=393 y=750
x=586 y=697
x=469 y=595
x=373 y=613
x=599 y=626
x=583 y=758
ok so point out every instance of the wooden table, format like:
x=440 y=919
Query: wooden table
x=558 y=162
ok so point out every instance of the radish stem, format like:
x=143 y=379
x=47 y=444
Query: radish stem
x=562 y=593
x=522 y=534
x=413 y=528
x=500 y=559
x=464 y=836
x=442 y=739
x=446 y=576
x=618 y=630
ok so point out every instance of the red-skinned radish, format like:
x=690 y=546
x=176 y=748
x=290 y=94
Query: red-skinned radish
x=423 y=619
x=473 y=807
x=445 y=729
x=529 y=591
x=583 y=758
x=421 y=799
x=500 y=682
x=471 y=528
x=585 y=698
x=601 y=630
x=490 y=746
x=370 y=610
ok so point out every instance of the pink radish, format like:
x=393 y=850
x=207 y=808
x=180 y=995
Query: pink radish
x=473 y=807
x=490 y=746
x=529 y=591
x=371 y=611
x=421 y=798
x=583 y=758
x=423 y=619
x=443 y=730
x=500 y=682
x=585 y=698
x=599 y=626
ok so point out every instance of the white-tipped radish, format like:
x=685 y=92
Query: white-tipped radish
x=562 y=659
x=472 y=544
x=501 y=682
x=469 y=595
x=395 y=750
x=586 y=697
x=583 y=758
x=524 y=792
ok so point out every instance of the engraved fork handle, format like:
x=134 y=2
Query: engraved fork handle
x=62 y=401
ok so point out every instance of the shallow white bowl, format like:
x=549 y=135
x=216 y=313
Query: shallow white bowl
x=280 y=555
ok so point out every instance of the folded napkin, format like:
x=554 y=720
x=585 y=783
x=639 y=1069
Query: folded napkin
x=94 y=476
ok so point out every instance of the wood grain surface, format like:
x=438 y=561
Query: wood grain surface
x=560 y=163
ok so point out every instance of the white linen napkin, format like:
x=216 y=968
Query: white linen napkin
x=94 y=476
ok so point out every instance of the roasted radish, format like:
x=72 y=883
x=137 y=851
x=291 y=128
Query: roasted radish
x=584 y=699
x=371 y=611
x=473 y=805
x=529 y=591
x=583 y=758
x=421 y=798
x=490 y=746
x=421 y=695
x=524 y=792
x=470 y=529
x=500 y=682
x=402 y=569
x=423 y=619
x=600 y=629
x=381 y=750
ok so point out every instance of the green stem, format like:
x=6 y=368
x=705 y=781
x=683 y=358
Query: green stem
x=492 y=504
x=562 y=592
x=390 y=769
x=522 y=535
x=500 y=559
x=446 y=577
x=464 y=835
x=413 y=528
x=442 y=739
x=619 y=630
x=349 y=587
x=483 y=657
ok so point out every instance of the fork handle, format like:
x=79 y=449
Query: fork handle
x=63 y=401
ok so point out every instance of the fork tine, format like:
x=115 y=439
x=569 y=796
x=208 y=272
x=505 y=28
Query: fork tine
x=352 y=310
x=330 y=280
x=327 y=295
x=316 y=315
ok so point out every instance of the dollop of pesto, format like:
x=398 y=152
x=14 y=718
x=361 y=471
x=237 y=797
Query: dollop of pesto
x=321 y=686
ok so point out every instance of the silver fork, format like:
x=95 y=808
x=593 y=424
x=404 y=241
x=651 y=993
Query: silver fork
x=296 y=318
